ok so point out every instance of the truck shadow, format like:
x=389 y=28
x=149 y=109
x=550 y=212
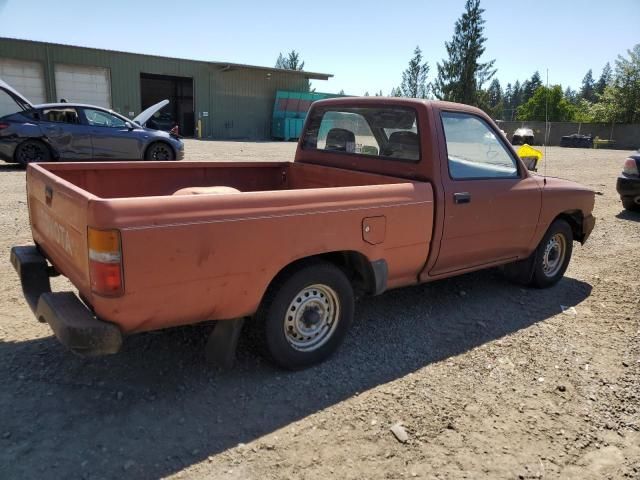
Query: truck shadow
x=156 y=407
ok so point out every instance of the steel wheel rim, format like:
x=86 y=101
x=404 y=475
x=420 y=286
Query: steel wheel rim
x=160 y=152
x=31 y=153
x=554 y=254
x=311 y=318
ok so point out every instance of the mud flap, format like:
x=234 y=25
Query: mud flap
x=223 y=341
x=521 y=272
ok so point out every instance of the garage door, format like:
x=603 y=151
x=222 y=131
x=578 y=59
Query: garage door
x=26 y=77
x=80 y=84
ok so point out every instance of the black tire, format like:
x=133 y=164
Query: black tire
x=629 y=204
x=316 y=287
x=543 y=277
x=531 y=270
x=159 y=151
x=31 y=151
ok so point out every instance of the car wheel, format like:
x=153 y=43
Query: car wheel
x=32 y=151
x=547 y=264
x=305 y=315
x=159 y=151
x=629 y=204
x=552 y=255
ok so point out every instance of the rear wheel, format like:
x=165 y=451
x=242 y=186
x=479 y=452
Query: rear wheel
x=159 y=151
x=32 y=151
x=305 y=315
x=629 y=204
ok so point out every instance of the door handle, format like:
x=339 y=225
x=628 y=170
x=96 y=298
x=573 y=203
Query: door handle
x=462 y=197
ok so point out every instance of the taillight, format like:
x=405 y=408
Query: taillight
x=4 y=125
x=630 y=167
x=105 y=262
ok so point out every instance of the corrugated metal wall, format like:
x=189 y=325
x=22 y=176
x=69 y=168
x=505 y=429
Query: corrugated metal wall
x=239 y=101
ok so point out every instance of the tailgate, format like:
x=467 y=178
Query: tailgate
x=58 y=215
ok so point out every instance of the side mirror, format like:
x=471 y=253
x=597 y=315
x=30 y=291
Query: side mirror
x=129 y=125
x=531 y=163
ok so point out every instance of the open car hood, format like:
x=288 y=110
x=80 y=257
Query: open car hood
x=17 y=96
x=145 y=115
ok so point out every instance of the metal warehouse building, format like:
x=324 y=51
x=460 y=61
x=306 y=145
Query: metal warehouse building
x=224 y=100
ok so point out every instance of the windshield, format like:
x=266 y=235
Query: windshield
x=8 y=104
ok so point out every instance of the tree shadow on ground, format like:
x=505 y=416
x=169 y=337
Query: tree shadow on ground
x=157 y=403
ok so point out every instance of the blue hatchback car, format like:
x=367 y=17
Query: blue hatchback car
x=76 y=132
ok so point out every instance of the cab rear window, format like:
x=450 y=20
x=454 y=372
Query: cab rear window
x=390 y=133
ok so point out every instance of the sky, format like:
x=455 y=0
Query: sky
x=365 y=44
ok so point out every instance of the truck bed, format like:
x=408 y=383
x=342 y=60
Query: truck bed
x=131 y=180
x=208 y=257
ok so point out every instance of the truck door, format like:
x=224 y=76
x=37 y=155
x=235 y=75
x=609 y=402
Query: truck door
x=491 y=203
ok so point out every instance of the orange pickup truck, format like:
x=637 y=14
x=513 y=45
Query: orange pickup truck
x=383 y=193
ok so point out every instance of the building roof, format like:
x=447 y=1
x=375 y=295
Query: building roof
x=224 y=66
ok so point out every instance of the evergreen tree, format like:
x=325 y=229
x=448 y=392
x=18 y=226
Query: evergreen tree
x=530 y=86
x=605 y=79
x=507 y=99
x=341 y=92
x=379 y=94
x=588 y=87
x=395 y=92
x=508 y=93
x=495 y=93
x=414 y=78
x=366 y=94
x=571 y=95
x=461 y=76
x=495 y=100
x=291 y=62
x=517 y=95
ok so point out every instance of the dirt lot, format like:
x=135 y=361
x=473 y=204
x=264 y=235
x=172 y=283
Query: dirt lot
x=489 y=380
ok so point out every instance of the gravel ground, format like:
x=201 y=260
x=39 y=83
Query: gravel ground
x=487 y=379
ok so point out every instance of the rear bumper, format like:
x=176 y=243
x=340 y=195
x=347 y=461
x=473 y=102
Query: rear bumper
x=7 y=148
x=73 y=324
x=628 y=186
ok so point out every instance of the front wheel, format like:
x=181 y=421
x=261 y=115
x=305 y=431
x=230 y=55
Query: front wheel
x=547 y=264
x=552 y=255
x=305 y=315
x=159 y=151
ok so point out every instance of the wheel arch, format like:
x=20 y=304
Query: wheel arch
x=575 y=219
x=367 y=277
x=158 y=140
x=43 y=140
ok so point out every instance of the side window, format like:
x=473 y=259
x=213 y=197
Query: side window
x=473 y=149
x=60 y=115
x=386 y=132
x=98 y=118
